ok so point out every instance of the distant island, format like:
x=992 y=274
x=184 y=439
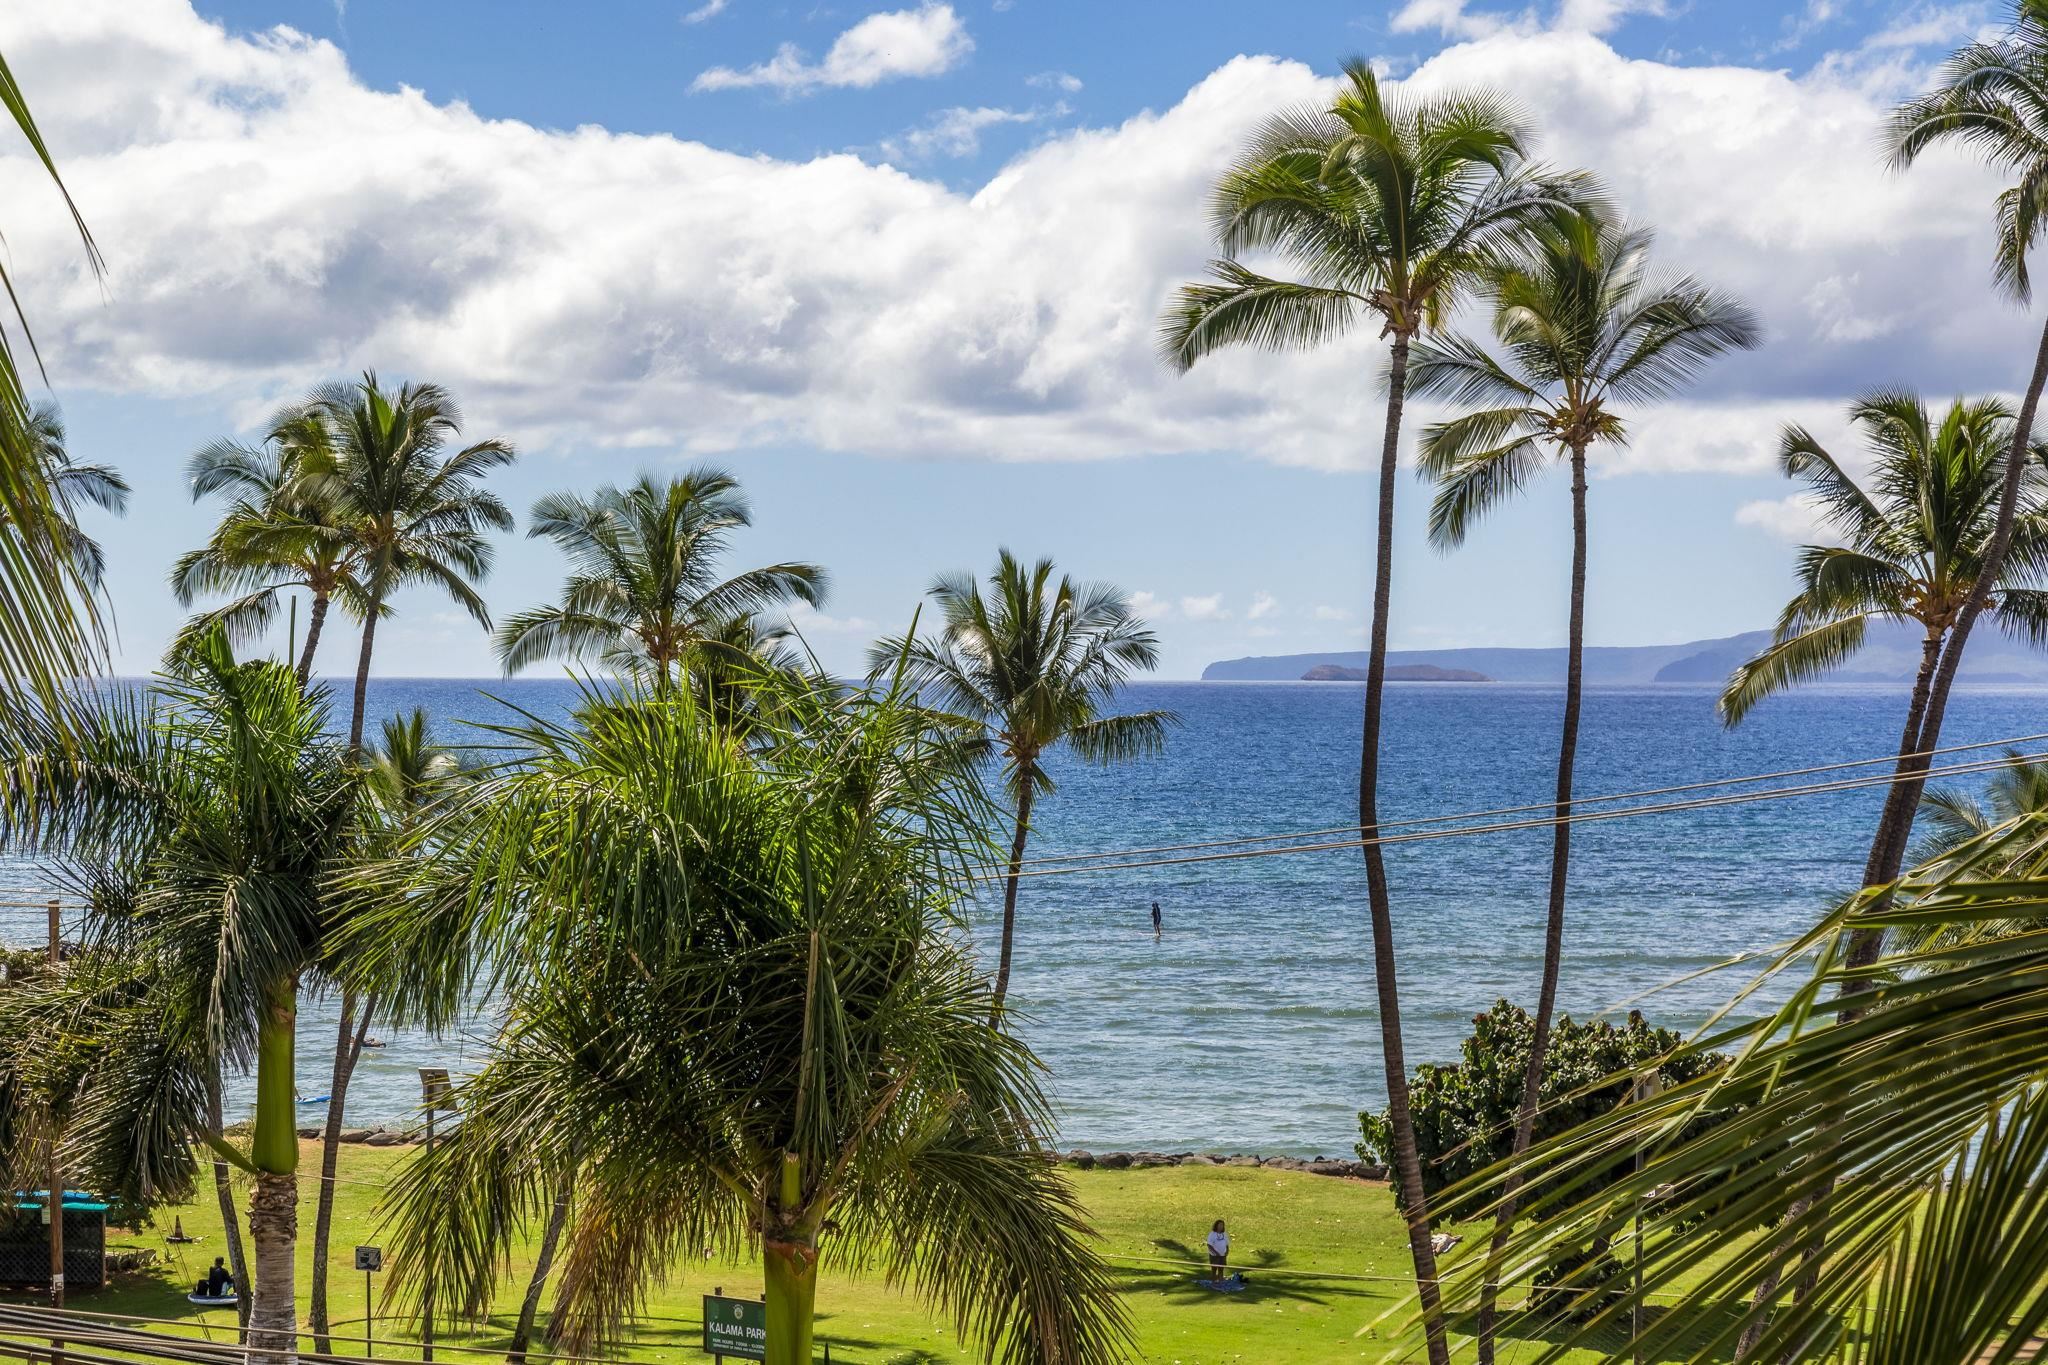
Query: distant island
x=1890 y=657
x=1395 y=673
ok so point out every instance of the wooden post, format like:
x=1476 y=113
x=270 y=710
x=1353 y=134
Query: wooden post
x=53 y=1202
x=427 y=1296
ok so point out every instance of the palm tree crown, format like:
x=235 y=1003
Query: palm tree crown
x=1384 y=206
x=412 y=511
x=280 y=530
x=71 y=485
x=1992 y=98
x=646 y=588
x=1032 y=665
x=1584 y=326
x=1913 y=542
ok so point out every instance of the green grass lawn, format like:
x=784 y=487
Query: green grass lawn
x=1280 y=1222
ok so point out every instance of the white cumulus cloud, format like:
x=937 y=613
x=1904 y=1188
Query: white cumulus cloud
x=1209 y=608
x=927 y=41
x=710 y=9
x=1263 y=604
x=270 y=220
x=1796 y=518
x=957 y=132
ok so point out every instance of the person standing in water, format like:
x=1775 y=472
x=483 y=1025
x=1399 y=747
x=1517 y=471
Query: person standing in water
x=1157 y=926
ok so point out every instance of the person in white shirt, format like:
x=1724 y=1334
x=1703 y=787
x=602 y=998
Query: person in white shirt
x=1219 y=1251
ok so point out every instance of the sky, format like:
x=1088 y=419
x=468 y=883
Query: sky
x=899 y=269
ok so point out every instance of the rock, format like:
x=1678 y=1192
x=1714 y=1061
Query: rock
x=1365 y=1171
x=1084 y=1160
x=1322 y=1167
x=311 y=1132
x=1146 y=1160
x=1286 y=1163
x=381 y=1138
x=1241 y=1161
x=356 y=1134
x=1114 y=1161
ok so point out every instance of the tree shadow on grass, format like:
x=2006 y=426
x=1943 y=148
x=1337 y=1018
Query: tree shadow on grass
x=1181 y=1284
x=1668 y=1334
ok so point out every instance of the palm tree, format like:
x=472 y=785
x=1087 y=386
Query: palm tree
x=50 y=629
x=1584 y=327
x=737 y=1006
x=411 y=511
x=1030 y=667
x=1954 y=817
x=1907 y=1137
x=1387 y=209
x=71 y=484
x=1993 y=99
x=408 y=776
x=280 y=530
x=1916 y=548
x=646 y=588
x=207 y=815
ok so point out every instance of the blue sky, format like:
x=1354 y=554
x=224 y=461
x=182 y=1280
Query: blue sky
x=896 y=264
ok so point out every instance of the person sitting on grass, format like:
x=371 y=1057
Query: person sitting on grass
x=1219 y=1252
x=219 y=1284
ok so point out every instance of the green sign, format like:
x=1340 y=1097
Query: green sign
x=736 y=1328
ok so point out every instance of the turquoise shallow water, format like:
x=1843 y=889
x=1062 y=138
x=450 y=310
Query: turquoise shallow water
x=1250 y=1023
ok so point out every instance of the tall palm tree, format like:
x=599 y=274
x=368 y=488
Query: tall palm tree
x=407 y=777
x=1917 y=545
x=50 y=629
x=1908 y=1138
x=412 y=511
x=208 y=814
x=738 y=1006
x=71 y=485
x=280 y=530
x=1386 y=208
x=647 y=587
x=1585 y=329
x=1030 y=667
x=1992 y=99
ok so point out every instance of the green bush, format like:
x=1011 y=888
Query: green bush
x=1465 y=1114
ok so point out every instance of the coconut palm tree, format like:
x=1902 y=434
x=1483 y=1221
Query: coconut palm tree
x=50 y=630
x=1031 y=666
x=279 y=531
x=1386 y=208
x=1916 y=545
x=72 y=484
x=738 y=1007
x=1908 y=1138
x=647 y=588
x=412 y=512
x=1992 y=99
x=1585 y=330
x=407 y=777
x=206 y=816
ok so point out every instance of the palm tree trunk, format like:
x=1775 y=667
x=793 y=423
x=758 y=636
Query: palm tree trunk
x=230 y=1216
x=348 y=1049
x=544 y=1262
x=315 y=618
x=355 y=719
x=274 y=1204
x=789 y=1265
x=1024 y=801
x=1407 y=1163
x=1553 y=930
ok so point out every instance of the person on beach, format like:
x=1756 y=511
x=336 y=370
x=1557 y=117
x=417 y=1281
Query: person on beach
x=1219 y=1252
x=1157 y=926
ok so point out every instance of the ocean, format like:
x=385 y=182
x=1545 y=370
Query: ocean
x=1249 y=1025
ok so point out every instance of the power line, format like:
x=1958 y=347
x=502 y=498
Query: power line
x=1418 y=836
x=1575 y=802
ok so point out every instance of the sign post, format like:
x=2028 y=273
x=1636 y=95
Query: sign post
x=369 y=1260
x=735 y=1328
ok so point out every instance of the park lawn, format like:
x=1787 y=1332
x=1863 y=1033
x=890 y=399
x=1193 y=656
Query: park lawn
x=1152 y=1220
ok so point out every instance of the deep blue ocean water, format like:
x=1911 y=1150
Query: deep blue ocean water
x=1250 y=1024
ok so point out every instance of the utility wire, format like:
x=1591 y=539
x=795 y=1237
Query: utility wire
x=1541 y=805
x=1502 y=827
